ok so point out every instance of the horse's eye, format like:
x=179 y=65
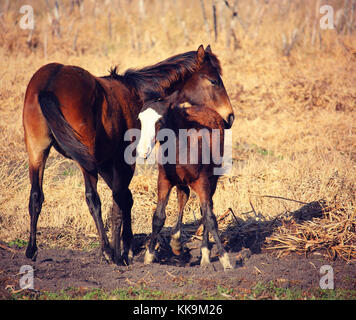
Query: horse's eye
x=214 y=82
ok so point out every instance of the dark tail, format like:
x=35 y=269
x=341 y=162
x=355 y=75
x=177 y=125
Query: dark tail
x=63 y=133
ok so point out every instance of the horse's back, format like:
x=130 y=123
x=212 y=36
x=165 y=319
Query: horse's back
x=72 y=85
x=76 y=92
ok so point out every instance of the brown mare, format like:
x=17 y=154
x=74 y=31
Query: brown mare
x=197 y=173
x=85 y=118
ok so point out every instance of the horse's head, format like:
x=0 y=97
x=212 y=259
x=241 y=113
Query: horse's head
x=202 y=87
x=206 y=88
x=151 y=117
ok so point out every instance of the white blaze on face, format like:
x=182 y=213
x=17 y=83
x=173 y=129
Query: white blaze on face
x=148 y=119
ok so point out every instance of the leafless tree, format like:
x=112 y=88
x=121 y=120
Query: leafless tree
x=206 y=23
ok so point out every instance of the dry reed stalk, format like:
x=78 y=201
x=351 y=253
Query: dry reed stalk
x=288 y=45
x=7 y=248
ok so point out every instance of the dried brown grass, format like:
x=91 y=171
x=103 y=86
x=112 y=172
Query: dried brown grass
x=294 y=135
x=334 y=233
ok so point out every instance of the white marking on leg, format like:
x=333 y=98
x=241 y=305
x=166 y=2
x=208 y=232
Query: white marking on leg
x=130 y=255
x=106 y=256
x=205 y=259
x=176 y=236
x=149 y=257
x=225 y=261
x=175 y=243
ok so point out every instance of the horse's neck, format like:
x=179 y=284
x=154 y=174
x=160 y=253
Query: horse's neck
x=176 y=119
x=121 y=107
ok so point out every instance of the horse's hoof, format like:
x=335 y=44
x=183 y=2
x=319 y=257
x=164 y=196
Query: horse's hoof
x=118 y=260
x=205 y=259
x=127 y=258
x=107 y=257
x=204 y=263
x=130 y=256
x=31 y=253
x=107 y=254
x=149 y=257
x=225 y=261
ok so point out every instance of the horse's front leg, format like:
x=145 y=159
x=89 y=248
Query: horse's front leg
x=159 y=216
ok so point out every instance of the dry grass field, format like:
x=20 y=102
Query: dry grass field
x=292 y=85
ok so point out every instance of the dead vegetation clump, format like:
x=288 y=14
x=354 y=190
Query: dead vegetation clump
x=333 y=233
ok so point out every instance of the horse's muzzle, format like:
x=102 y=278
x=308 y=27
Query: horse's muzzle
x=230 y=120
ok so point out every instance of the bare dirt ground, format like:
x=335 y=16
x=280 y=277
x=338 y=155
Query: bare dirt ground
x=57 y=269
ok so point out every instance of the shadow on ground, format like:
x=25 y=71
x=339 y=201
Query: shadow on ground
x=250 y=234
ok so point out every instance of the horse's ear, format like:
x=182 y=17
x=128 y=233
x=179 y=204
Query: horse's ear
x=208 y=49
x=200 y=54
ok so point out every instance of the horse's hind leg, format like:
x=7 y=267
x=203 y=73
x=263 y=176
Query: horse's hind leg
x=183 y=196
x=203 y=189
x=38 y=149
x=121 y=213
x=94 y=205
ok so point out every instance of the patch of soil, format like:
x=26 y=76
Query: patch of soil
x=57 y=269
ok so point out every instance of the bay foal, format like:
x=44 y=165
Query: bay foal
x=185 y=171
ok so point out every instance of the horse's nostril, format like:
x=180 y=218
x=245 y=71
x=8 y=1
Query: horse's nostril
x=231 y=119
